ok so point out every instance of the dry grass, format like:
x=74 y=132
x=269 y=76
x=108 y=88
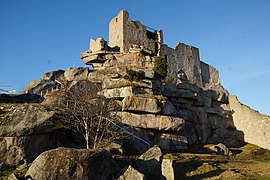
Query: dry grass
x=248 y=162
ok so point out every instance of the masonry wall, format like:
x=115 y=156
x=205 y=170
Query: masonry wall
x=116 y=30
x=124 y=32
x=255 y=126
x=210 y=77
x=186 y=58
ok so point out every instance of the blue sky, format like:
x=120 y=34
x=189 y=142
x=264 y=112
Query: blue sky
x=38 y=36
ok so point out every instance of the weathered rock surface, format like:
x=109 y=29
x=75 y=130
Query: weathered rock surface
x=131 y=173
x=151 y=121
x=12 y=177
x=53 y=75
x=110 y=83
x=41 y=86
x=167 y=169
x=172 y=142
x=220 y=149
x=176 y=91
x=64 y=163
x=149 y=103
x=124 y=91
x=26 y=120
x=149 y=163
x=80 y=73
x=20 y=98
x=25 y=148
x=146 y=104
x=25 y=133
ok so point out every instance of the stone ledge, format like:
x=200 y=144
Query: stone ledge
x=151 y=121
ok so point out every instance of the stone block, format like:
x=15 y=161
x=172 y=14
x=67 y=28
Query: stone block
x=77 y=74
x=145 y=104
x=149 y=163
x=174 y=91
x=167 y=169
x=124 y=92
x=131 y=173
x=71 y=164
x=151 y=121
x=172 y=142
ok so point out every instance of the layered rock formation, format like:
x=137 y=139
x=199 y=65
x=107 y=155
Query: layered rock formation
x=187 y=107
x=190 y=108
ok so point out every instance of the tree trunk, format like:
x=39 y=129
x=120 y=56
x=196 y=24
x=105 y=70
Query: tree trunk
x=86 y=134
x=87 y=140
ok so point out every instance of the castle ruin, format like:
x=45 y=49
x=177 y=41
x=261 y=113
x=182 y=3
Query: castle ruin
x=195 y=88
x=127 y=36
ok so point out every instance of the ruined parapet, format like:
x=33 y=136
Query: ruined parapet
x=183 y=57
x=98 y=51
x=98 y=45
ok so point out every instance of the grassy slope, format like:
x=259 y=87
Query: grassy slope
x=248 y=162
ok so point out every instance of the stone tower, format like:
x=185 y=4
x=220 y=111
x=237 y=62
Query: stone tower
x=125 y=33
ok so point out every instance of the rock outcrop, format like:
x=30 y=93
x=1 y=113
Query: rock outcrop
x=25 y=132
x=64 y=163
x=131 y=173
x=167 y=169
x=189 y=106
x=151 y=121
x=149 y=163
x=220 y=149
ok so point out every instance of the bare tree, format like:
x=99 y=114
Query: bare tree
x=83 y=110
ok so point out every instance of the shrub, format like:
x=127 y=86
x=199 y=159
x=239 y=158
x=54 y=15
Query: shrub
x=168 y=80
x=133 y=75
x=160 y=66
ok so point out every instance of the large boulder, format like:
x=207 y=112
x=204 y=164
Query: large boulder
x=26 y=120
x=25 y=148
x=41 y=86
x=53 y=75
x=26 y=133
x=151 y=121
x=149 y=103
x=172 y=142
x=67 y=163
x=131 y=173
x=137 y=103
x=182 y=90
x=149 y=163
x=80 y=73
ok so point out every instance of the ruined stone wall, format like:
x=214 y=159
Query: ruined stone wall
x=97 y=44
x=116 y=30
x=255 y=126
x=210 y=76
x=186 y=58
x=124 y=32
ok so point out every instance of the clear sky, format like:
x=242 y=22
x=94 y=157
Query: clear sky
x=38 y=36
